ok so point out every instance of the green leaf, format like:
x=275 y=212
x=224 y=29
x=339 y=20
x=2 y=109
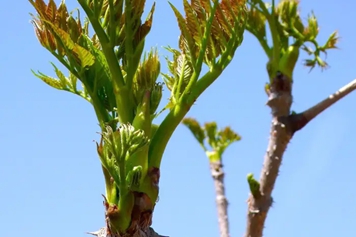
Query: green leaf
x=226 y=137
x=211 y=132
x=184 y=71
x=63 y=80
x=195 y=128
x=84 y=56
x=50 y=81
x=185 y=33
x=194 y=26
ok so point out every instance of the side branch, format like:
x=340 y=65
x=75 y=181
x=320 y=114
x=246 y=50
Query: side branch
x=217 y=172
x=298 y=121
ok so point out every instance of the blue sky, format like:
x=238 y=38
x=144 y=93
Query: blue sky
x=50 y=176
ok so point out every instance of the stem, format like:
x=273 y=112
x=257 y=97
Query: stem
x=217 y=173
x=129 y=44
x=266 y=48
x=302 y=119
x=110 y=187
x=274 y=32
x=112 y=32
x=204 y=82
x=165 y=130
x=124 y=105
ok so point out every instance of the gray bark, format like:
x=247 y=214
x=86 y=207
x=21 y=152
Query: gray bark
x=217 y=173
x=283 y=127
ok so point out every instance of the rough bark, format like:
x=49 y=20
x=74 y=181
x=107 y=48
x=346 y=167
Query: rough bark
x=218 y=174
x=149 y=232
x=280 y=101
x=283 y=127
x=141 y=213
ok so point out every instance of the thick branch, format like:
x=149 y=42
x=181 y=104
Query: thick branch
x=279 y=100
x=102 y=232
x=217 y=173
x=283 y=127
x=300 y=120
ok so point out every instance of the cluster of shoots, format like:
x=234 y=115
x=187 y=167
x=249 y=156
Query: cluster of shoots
x=289 y=35
x=121 y=82
x=217 y=139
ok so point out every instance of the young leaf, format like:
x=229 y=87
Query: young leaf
x=211 y=132
x=50 y=81
x=195 y=128
x=194 y=26
x=190 y=49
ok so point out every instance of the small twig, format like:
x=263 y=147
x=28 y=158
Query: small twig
x=298 y=121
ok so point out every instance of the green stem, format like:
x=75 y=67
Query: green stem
x=266 y=48
x=129 y=44
x=296 y=34
x=122 y=170
x=124 y=107
x=175 y=116
x=96 y=6
x=164 y=132
x=112 y=31
x=271 y=18
x=273 y=4
x=204 y=82
x=110 y=187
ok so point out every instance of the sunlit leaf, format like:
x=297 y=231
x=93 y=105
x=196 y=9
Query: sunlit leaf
x=211 y=132
x=195 y=128
x=193 y=24
x=49 y=80
x=185 y=33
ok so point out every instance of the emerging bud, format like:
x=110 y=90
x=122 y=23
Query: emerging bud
x=287 y=11
x=156 y=96
x=146 y=75
x=312 y=30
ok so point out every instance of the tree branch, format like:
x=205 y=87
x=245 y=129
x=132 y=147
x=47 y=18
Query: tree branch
x=102 y=232
x=217 y=173
x=298 y=121
x=279 y=100
x=283 y=128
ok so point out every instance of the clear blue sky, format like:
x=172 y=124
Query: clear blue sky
x=50 y=176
